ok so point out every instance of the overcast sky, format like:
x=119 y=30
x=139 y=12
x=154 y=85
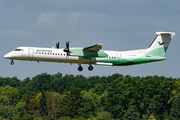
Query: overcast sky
x=118 y=24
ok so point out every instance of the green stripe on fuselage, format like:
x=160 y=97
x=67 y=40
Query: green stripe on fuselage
x=139 y=60
x=158 y=52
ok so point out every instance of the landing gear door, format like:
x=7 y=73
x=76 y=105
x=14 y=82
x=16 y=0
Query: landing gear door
x=30 y=53
x=118 y=58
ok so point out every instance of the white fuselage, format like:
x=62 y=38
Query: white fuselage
x=58 y=55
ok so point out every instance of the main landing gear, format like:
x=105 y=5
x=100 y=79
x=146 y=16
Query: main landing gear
x=90 y=68
x=80 y=68
x=12 y=62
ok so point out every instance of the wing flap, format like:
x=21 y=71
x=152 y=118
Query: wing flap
x=96 y=47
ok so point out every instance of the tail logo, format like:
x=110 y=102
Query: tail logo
x=161 y=43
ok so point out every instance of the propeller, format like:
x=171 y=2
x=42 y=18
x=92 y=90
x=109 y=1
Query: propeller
x=67 y=48
x=57 y=45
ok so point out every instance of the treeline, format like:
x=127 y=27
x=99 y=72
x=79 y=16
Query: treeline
x=69 y=97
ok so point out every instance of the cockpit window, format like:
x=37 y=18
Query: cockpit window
x=18 y=50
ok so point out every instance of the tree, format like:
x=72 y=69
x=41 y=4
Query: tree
x=19 y=109
x=27 y=103
x=151 y=117
x=104 y=116
x=40 y=82
x=131 y=114
x=50 y=116
x=175 y=110
x=33 y=105
x=5 y=92
x=42 y=105
x=49 y=106
x=73 y=105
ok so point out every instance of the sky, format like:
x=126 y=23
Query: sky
x=117 y=24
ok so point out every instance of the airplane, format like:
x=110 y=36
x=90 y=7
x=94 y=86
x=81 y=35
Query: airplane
x=94 y=55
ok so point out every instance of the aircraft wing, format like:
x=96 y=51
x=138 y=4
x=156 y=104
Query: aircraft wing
x=96 y=47
x=88 y=52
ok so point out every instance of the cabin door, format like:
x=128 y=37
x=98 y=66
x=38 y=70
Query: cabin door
x=118 y=58
x=30 y=53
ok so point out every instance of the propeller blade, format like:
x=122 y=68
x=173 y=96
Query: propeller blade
x=57 y=45
x=67 y=48
x=68 y=44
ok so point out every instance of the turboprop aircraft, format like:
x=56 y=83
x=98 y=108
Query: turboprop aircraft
x=94 y=54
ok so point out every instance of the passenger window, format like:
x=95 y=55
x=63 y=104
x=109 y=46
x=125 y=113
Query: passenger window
x=42 y=53
x=50 y=53
x=39 y=52
x=56 y=54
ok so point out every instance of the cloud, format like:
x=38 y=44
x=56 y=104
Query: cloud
x=14 y=33
x=74 y=16
x=72 y=19
x=47 y=18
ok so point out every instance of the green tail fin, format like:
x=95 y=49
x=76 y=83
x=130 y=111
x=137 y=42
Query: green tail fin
x=160 y=44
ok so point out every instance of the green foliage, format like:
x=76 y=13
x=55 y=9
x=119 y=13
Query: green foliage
x=40 y=83
x=50 y=116
x=146 y=94
x=99 y=88
x=5 y=92
x=37 y=114
x=33 y=105
x=105 y=97
x=49 y=105
x=151 y=117
x=74 y=105
x=131 y=114
x=104 y=116
x=18 y=96
x=19 y=109
x=42 y=105
x=27 y=103
x=175 y=110
x=13 y=82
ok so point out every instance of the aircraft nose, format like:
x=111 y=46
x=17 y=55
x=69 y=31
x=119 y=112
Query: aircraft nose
x=8 y=56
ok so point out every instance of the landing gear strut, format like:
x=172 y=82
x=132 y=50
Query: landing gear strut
x=80 y=68
x=12 y=62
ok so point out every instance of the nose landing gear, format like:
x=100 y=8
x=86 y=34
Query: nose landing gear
x=12 y=62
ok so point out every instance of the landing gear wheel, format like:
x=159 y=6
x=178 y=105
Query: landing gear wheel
x=12 y=63
x=80 y=68
x=90 y=68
